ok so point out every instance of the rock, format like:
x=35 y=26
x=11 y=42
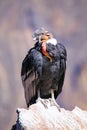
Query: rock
x=39 y=117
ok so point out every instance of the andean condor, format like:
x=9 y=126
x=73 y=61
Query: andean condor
x=43 y=68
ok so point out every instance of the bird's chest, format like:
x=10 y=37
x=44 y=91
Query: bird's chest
x=50 y=69
x=50 y=72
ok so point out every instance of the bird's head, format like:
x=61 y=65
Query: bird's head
x=41 y=35
x=46 y=37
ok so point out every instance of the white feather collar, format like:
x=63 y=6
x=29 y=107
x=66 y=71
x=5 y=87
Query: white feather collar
x=52 y=41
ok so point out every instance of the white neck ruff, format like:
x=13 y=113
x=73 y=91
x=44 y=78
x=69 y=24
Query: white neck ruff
x=53 y=41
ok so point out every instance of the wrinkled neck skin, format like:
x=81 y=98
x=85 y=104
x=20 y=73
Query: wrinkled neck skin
x=41 y=46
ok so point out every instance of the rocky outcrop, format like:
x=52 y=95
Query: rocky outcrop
x=47 y=117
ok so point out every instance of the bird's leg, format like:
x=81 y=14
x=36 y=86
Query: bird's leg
x=43 y=101
x=53 y=101
x=52 y=94
x=38 y=94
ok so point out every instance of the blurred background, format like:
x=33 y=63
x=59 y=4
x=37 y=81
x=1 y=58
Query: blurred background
x=67 y=20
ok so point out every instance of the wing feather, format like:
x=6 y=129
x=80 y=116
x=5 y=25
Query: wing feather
x=30 y=72
x=63 y=58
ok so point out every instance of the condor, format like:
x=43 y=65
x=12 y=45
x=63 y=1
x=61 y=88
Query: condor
x=43 y=68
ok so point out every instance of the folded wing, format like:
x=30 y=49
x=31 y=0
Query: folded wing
x=30 y=73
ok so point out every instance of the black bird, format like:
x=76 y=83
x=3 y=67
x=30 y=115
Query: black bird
x=43 y=68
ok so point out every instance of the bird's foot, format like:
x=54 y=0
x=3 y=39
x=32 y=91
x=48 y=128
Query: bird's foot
x=48 y=102
x=44 y=102
x=54 y=103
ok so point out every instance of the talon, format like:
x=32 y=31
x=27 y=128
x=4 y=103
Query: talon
x=44 y=102
x=54 y=103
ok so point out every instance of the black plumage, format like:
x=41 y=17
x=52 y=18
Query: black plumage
x=39 y=75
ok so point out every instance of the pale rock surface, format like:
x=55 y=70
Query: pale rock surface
x=40 y=117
